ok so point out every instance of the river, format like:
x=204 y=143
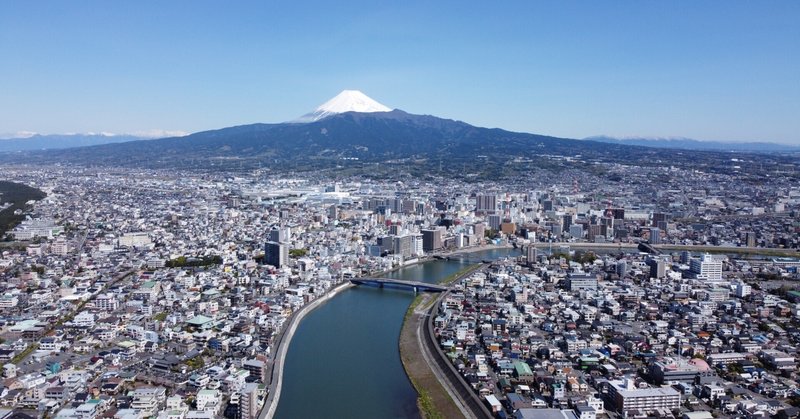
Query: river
x=343 y=361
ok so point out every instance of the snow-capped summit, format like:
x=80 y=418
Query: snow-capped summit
x=347 y=101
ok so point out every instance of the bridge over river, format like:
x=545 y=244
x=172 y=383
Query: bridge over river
x=465 y=259
x=399 y=283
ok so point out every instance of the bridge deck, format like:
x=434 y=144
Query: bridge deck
x=467 y=259
x=399 y=282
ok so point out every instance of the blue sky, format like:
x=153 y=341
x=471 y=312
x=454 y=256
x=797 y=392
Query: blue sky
x=713 y=70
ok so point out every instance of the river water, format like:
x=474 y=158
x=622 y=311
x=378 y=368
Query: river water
x=344 y=362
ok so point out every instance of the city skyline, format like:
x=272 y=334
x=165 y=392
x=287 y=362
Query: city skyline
x=712 y=71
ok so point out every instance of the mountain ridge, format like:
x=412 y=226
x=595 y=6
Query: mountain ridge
x=389 y=144
x=693 y=144
x=62 y=141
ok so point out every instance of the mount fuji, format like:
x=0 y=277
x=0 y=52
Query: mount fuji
x=346 y=101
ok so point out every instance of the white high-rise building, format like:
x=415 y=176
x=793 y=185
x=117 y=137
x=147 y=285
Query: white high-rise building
x=743 y=290
x=416 y=245
x=706 y=268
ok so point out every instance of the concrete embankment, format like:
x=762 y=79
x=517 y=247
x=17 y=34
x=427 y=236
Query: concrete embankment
x=282 y=348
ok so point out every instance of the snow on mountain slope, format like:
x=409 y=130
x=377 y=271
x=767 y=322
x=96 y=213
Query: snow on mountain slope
x=346 y=101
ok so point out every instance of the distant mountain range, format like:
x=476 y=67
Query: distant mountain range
x=61 y=141
x=690 y=144
x=340 y=137
x=355 y=134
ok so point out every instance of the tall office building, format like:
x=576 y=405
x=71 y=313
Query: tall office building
x=420 y=209
x=401 y=245
x=750 y=238
x=531 y=254
x=396 y=205
x=595 y=233
x=432 y=240
x=622 y=268
x=659 y=217
x=280 y=234
x=658 y=268
x=276 y=254
x=479 y=230
x=494 y=222
x=566 y=221
x=409 y=206
x=486 y=204
x=576 y=231
x=655 y=235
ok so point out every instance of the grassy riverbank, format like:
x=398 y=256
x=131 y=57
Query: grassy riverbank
x=432 y=399
x=461 y=273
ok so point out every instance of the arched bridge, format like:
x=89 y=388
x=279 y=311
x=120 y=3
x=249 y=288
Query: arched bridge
x=416 y=285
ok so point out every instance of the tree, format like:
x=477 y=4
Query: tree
x=735 y=368
x=585 y=257
x=296 y=253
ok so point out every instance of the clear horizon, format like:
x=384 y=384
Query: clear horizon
x=715 y=71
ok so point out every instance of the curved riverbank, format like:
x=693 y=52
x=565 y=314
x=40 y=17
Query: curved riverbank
x=284 y=340
x=346 y=352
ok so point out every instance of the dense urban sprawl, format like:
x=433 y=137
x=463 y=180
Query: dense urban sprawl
x=647 y=292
